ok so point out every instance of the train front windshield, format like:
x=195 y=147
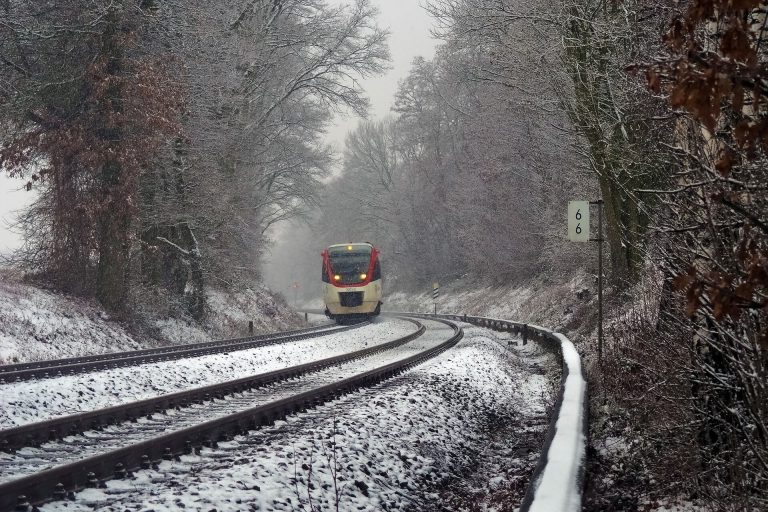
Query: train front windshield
x=349 y=266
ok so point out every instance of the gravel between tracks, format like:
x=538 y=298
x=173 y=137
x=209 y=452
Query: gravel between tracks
x=30 y=460
x=26 y=402
x=411 y=443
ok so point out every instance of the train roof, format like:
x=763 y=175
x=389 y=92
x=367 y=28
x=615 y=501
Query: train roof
x=351 y=243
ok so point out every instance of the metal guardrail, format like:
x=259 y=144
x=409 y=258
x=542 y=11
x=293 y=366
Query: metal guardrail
x=558 y=480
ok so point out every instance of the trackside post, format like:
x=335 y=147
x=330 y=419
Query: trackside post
x=578 y=231
x=599 y=241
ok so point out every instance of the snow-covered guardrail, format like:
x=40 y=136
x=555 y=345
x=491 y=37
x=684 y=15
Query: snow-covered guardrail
x=558 y=478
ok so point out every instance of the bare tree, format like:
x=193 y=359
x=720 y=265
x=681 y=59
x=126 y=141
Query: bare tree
x=87 y=108
x=253 y=154
x=137 y=192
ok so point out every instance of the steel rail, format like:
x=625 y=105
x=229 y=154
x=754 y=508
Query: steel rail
x=34 y=434
x=52 y=363
x=71 y=366
x=56 y=482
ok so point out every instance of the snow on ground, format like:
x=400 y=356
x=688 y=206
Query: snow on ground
x=29 y=459
x=553 y=305
x=30 y=401
x=676 y=505
x=227 y=316
x=38 y=324
x=406 y=444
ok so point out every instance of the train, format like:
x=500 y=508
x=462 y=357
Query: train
x=352 y=284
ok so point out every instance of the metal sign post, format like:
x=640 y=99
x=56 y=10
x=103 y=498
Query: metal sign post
x=599 y=241
x=435 y=293
x=578 y=231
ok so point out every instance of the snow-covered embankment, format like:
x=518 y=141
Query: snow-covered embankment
x=38 y=324
x=558 y=478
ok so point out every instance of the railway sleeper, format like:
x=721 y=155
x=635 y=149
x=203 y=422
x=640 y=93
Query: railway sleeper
x=105 y=466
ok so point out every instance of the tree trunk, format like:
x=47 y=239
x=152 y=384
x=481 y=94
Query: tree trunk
x=112 y=273
x=196 y=297
x=613 y=227
x=115 y=221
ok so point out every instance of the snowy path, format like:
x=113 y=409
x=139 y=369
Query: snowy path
x=27 y=402
x=395 y=446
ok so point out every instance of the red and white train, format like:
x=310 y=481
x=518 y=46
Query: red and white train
x=351 y=281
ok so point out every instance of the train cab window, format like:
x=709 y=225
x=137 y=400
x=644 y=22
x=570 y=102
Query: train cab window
x=376 y=271
x=349 y=263
x=325 y=274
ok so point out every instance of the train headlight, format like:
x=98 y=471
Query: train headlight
x=337 y=277
x=363 y=276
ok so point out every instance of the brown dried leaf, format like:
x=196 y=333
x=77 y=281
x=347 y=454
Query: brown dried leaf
x=693 y=295
x=745 y=5
x=683 y=281
x=735 y=43
x=744 y=291
x=741 y=133
x=725 y=162
x=738 y=98
x=654 y=82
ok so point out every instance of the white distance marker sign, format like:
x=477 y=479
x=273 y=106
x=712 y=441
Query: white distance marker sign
x=578 y=221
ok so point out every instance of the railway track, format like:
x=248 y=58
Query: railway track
x=37 y=433
x=75 y=365
x=211 y=414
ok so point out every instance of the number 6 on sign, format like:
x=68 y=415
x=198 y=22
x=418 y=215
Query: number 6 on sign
x=578 y=221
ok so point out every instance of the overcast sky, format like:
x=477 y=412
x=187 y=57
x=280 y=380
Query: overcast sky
x=12 y=198
x=410 y=37
x=409 y=27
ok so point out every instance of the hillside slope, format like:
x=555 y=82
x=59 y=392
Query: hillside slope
x=567 y=305
x=36 y=323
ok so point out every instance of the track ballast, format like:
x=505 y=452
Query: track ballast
x=75 y=365
x=221 y=419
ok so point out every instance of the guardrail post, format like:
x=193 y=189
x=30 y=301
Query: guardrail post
x=250 y=326
x=525 y=334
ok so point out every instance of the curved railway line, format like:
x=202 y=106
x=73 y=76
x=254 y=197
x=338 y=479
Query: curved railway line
x=76 y=365
x=135 y=438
